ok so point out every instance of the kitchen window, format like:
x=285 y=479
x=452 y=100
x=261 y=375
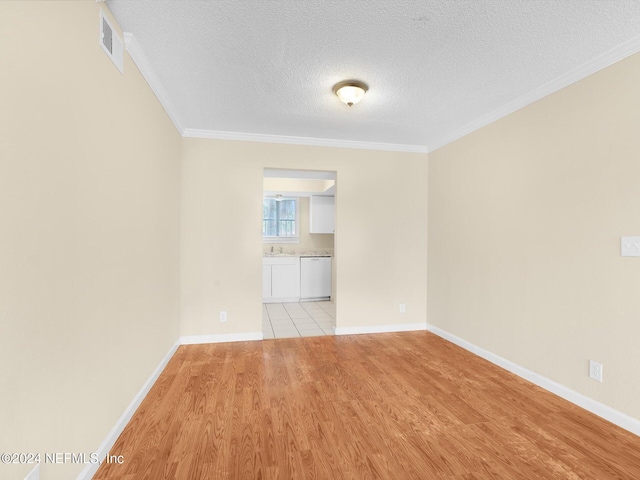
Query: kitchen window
x=280 y=220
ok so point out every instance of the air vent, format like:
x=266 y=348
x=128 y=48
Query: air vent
x=110 y=42
x=107 y=36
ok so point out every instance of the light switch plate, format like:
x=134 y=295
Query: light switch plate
x=630 y=246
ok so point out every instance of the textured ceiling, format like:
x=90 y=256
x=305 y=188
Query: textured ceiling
x=433 y=66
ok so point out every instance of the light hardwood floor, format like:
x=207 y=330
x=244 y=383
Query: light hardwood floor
x=393 y=406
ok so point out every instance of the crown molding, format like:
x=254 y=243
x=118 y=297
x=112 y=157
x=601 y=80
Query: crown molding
x=599 y=63
x=141 y=61
x=608 y=58
x=309 y=141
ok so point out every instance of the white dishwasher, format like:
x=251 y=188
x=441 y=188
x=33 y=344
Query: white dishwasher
x=315 y=278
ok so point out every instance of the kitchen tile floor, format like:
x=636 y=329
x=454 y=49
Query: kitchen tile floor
x=304 y=319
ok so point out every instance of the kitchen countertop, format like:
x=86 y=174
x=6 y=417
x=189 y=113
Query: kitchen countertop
x=301 y=255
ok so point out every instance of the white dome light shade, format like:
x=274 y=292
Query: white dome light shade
x=350 y=91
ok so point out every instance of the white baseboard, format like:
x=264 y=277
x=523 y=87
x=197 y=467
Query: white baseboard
x=404 y=327
x=614 y=416
x=90 y=469
x=281 y=300
x=229 y=337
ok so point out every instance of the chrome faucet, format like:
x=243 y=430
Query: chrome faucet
x=280 y=249
x=271 y=248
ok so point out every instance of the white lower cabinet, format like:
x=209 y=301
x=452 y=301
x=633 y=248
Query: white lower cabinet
x=285 y=281
x=266 y=281
x=280 y=279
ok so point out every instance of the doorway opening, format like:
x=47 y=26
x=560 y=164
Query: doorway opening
x=298 y=257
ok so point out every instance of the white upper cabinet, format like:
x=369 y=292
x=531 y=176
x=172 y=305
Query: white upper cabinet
x=321 y=214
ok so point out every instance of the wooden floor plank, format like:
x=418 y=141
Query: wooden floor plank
x=386 y=406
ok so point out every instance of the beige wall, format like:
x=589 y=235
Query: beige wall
x=525 y=220
x=525 y=217
x=380 y=238
x=308 y=241
x=89 y=233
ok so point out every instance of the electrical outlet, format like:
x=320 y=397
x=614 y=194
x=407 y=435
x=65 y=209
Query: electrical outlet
x=223 y=316
x=595 y=370
x=34 y=474
x=403 y=308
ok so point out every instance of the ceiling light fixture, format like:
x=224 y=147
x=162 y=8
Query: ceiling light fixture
x=350 y=91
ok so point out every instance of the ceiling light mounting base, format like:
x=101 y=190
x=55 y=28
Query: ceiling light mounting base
x=350 y=92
